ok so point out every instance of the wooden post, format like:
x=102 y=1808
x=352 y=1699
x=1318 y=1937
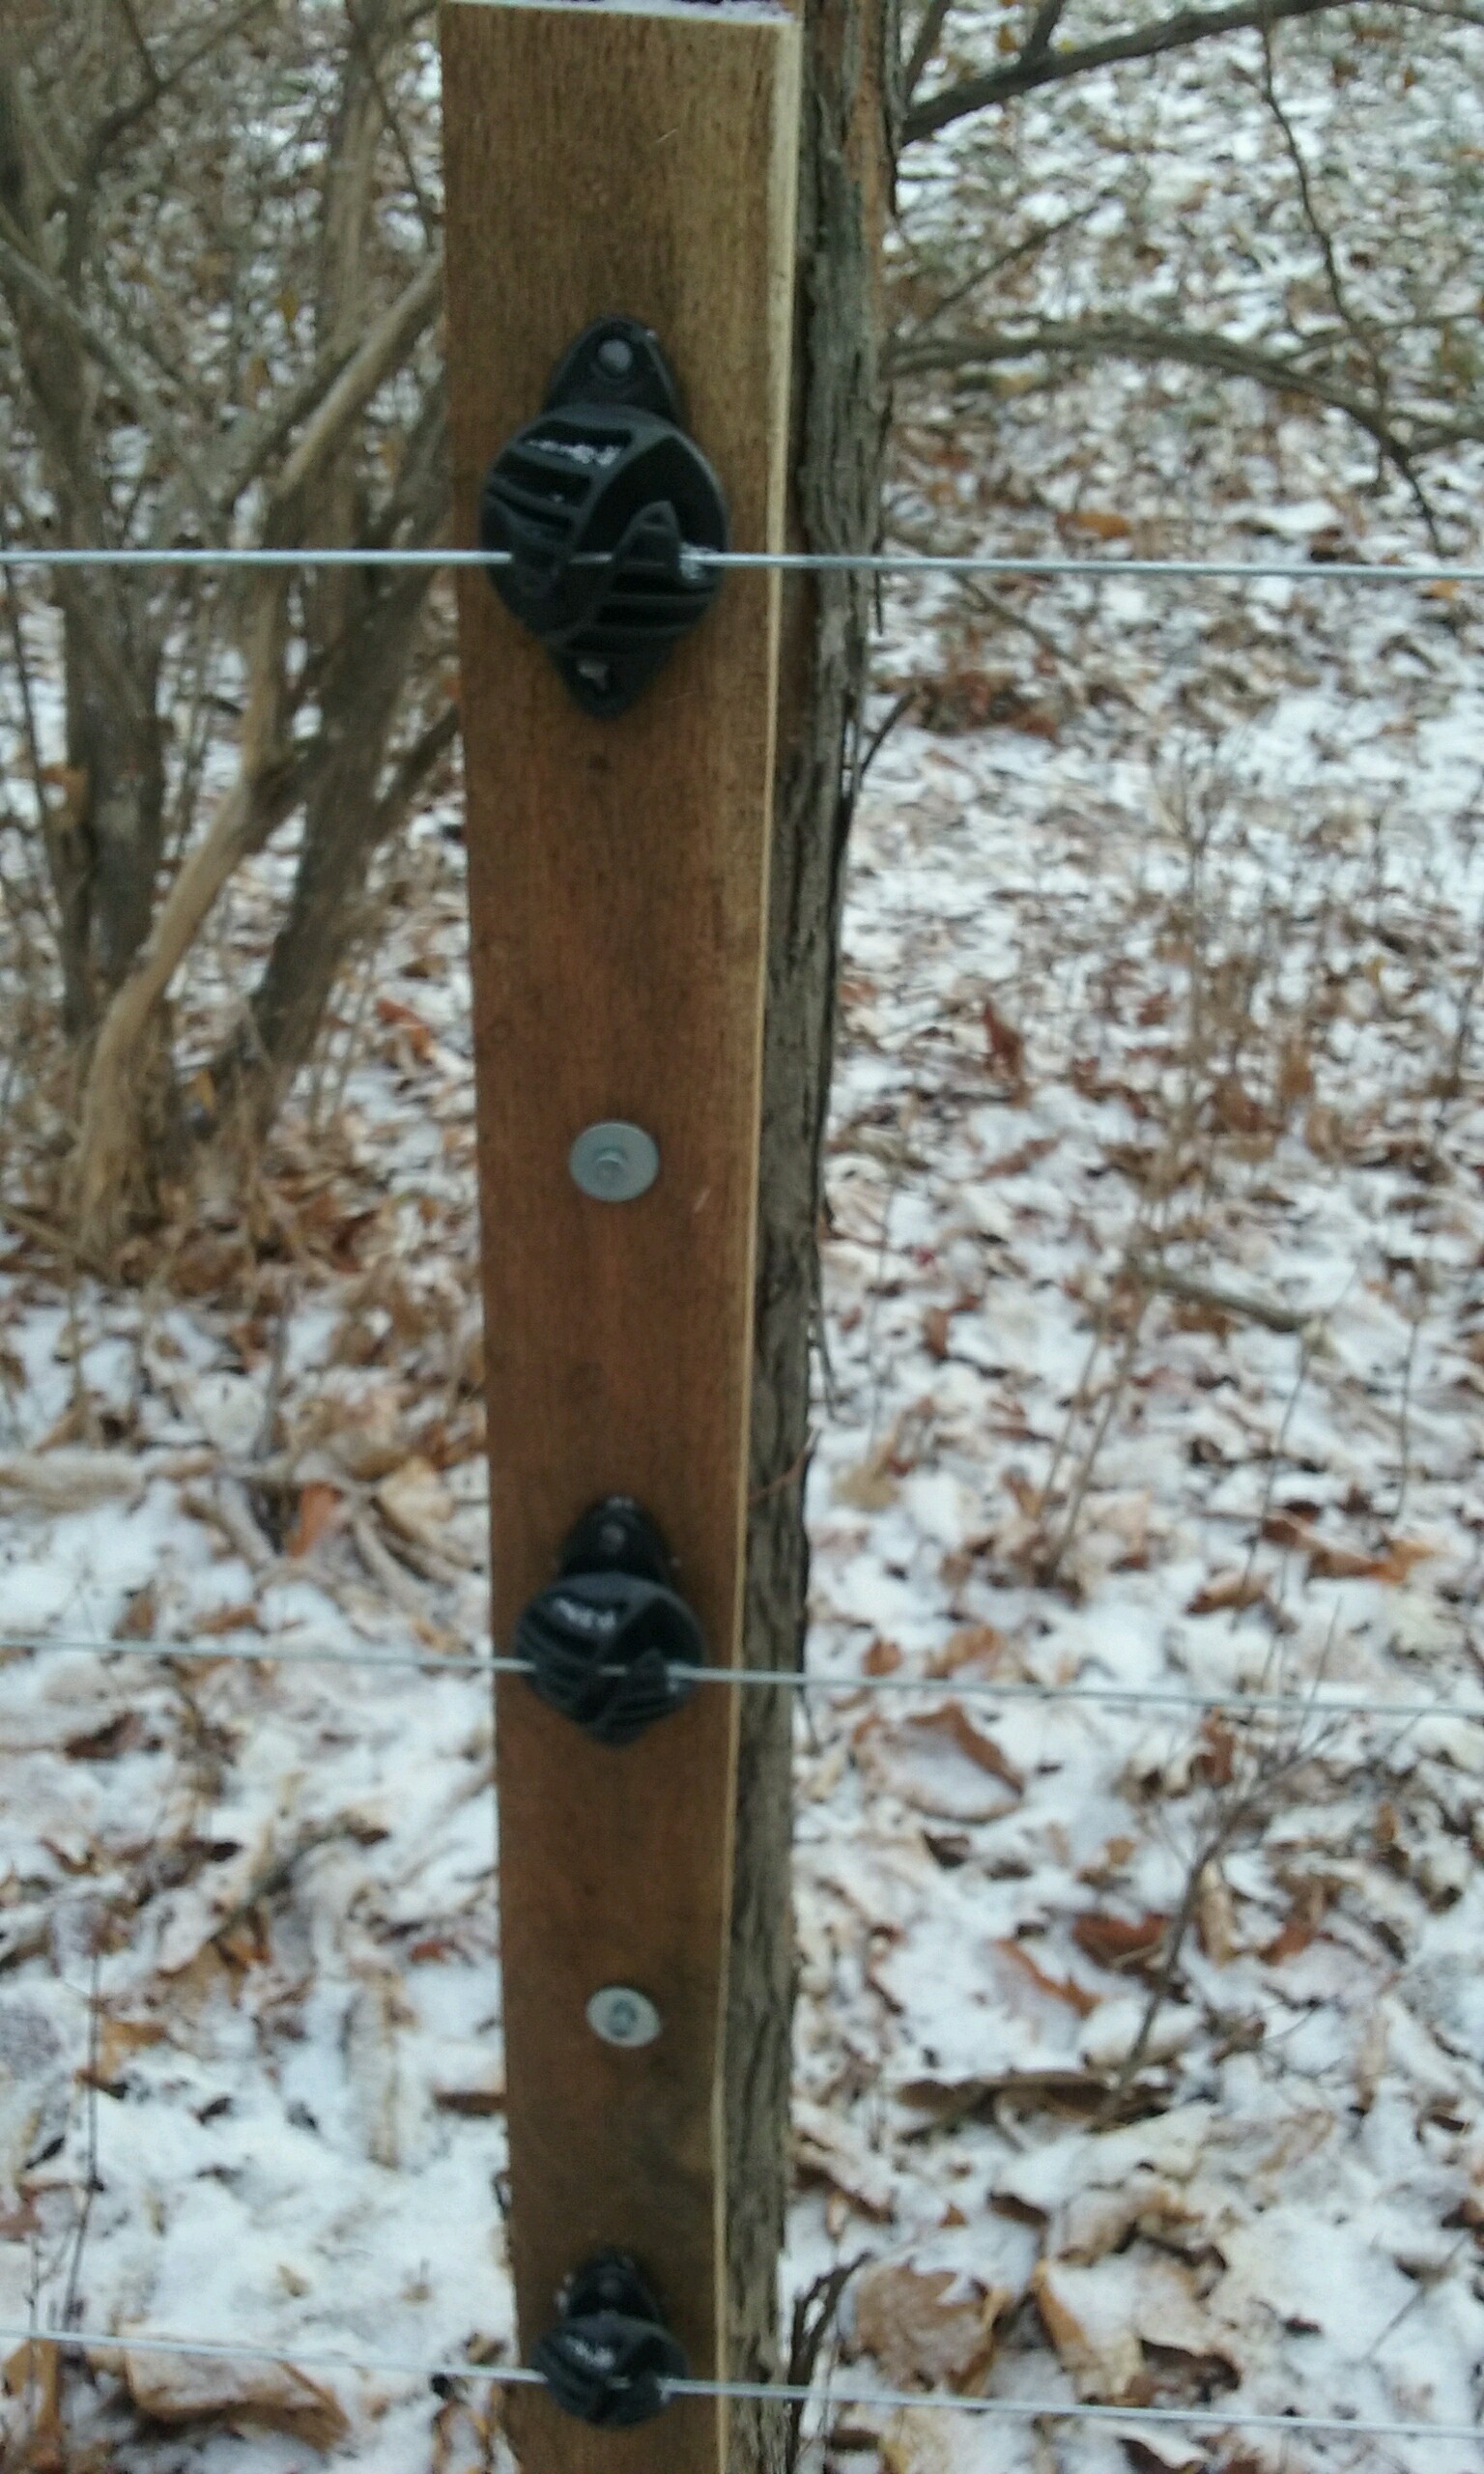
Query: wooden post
x=635 y=159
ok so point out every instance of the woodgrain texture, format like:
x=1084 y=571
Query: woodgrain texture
x=603 y=160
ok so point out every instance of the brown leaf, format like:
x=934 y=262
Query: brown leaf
x=1123 y=1943
x=1295 y=1081
x=1330 y=1561
x=106 y=1742
x=1310 y=1899
x=230 y=1619
x=954 y=1722
x=1061 y=1988
x=883 y=1657
x=402 y=1017
x=320 y=1512
x=117 y=2039
x=1100 y=522
x=978 y=1646
x=929 y=2328
x=1227 y=1589
x=937 y=1323
x=138 y=1619
x=1235 y=1108
x=182 y=2388
x=1007 y=1046
x=414 y=1499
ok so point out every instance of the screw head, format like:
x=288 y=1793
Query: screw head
x=620 y=2015
x=615 y=357
x=613 y=1162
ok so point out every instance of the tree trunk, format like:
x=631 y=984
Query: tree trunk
x=849 y=115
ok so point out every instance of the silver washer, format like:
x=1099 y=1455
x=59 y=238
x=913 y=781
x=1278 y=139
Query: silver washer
x=614 y=1161
x=622 y=2016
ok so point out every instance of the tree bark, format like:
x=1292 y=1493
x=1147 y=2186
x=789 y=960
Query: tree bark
x=839 y=428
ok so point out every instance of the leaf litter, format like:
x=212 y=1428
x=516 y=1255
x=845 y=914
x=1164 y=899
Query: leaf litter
x=1140 y=2055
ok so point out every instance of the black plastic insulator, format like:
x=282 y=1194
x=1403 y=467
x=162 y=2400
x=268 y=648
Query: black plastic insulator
x=603 y=1642
x=596 y=502
x=609 y=2356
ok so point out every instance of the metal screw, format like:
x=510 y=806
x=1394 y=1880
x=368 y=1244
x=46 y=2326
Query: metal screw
x=622 y=2016
x=613 y=1162
x=615 y=357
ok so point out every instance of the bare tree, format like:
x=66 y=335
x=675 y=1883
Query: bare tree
x=222 y=277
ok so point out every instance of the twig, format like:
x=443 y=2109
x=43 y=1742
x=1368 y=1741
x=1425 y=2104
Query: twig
x=1242 y=1306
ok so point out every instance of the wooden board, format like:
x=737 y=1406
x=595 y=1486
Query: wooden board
x=602 y=159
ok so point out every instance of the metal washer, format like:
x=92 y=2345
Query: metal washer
x=613 y=1162
x=620 y=2015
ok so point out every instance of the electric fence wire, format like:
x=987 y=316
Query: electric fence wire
x=768 y=2392
x=1314 y=1703
x=876 y=562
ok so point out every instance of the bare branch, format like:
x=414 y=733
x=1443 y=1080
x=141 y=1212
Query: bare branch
x=920 y=59
x=146 y=405
x=1176 y=33
x=1147 y=339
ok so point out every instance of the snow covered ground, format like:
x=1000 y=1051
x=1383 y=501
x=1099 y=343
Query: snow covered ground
x=1140 y=2047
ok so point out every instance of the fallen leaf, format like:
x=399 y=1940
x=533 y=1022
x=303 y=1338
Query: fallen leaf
x=117 y=2039
x=67 y=1481
x=1007 y=1046
x=320 y=1511
x=929 y=2328
x=402 y=1017
x=138 y=1619
x=978 y=1646
x=1100 y=522
x=937 y=1323
x=1122 y=1943
x=1226 y=1591
x=182 y=2388
x=106 y=1742
x=828 y=2148
x=1062 y=1988
x=1311 y=1899
x=883 y=1657
x=415 y=1502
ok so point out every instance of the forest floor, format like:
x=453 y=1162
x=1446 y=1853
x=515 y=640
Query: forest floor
x=1140 y=2051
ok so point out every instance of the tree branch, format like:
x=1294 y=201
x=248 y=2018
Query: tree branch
x=1145 y=339
x=1027 y=72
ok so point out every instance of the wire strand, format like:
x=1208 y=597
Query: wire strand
x=876 y=562
x=767 y=2392
x=1315 y=1704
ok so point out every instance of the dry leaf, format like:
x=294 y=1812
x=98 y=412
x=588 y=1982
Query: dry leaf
x=117 y=2039
x=929 y=2328
x=415 y=1502
x=1225 y=1591
x=1100 y=522
x=977 y=1646
x=320 y=1512
x=827 y=2145
x=1062 y=1988
x=181 y=2388
x=937 y=1323
x=883 y=1657
x=1215 y=1918
x=1007 y=1046
x=1097 y=2348
x=67 y=1481
x=1122 y=1943
x=418 y=1033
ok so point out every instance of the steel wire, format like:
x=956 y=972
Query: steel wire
x=879 y=562
x=767 y=2392
x=1314 y=1703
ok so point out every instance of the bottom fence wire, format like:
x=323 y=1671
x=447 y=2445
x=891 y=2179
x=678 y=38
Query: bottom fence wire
x=887 y=2400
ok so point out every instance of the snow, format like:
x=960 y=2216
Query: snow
x=1162 y=948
